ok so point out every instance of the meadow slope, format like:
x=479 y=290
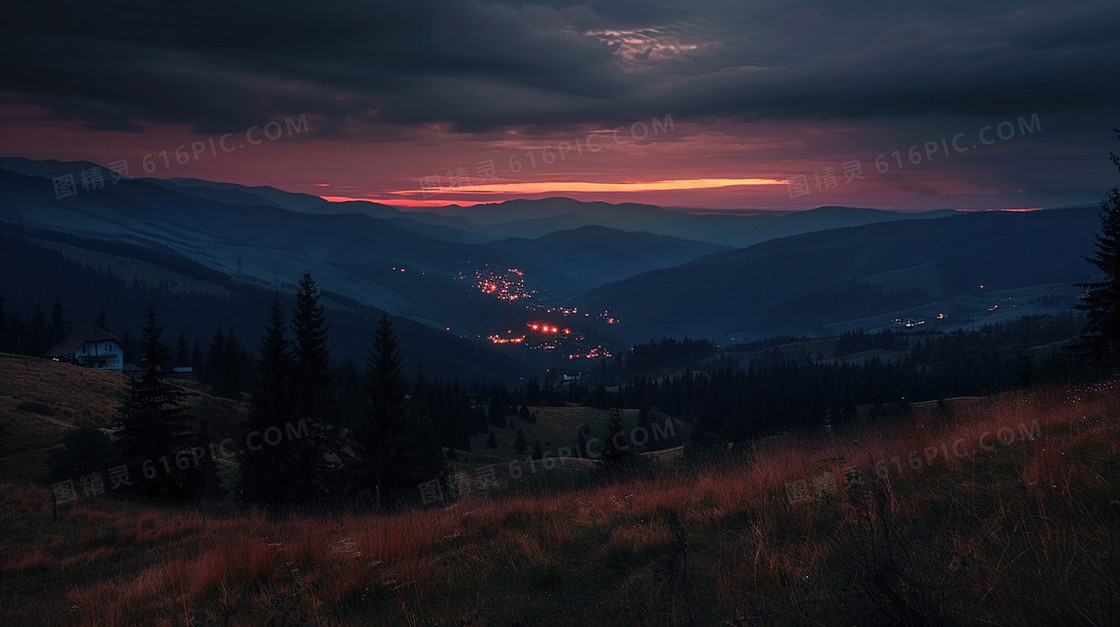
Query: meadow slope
x=1002 y=510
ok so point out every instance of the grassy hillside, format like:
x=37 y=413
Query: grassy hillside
x=41 y=399
x=132 y=269
x=561 y=464
x=1002 y=510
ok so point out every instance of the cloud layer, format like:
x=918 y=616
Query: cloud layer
x=370 y=68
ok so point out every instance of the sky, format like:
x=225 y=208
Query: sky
x=716 y=104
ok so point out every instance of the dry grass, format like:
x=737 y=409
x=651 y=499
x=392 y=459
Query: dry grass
x=41 y=399
x=1014 y=524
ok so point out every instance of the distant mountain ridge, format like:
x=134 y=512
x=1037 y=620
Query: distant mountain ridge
x=864 y=276
x=661 y=272
x=37 y=266
x=594 y=255
x=535 y=218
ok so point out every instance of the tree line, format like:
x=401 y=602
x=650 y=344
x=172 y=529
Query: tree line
x=776 y=391
x=379 y=447
x=196 y=301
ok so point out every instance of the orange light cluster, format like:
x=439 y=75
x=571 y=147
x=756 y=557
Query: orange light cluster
x=497 y=339
x=507 y=285
x=545 y=328
x=594 y=353
x=566 y=311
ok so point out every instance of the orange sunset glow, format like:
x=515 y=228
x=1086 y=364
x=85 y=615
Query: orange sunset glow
x=562 y=187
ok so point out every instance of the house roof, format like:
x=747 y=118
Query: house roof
x=73 y=342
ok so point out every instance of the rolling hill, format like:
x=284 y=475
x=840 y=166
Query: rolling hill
x=86 y=274
x=350 y=254
x=983 y=264
x=41 y=400
x=535 y=218
x=594 y=255
x=820 y=271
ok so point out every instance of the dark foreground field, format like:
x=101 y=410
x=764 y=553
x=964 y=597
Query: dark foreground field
x=997 y=511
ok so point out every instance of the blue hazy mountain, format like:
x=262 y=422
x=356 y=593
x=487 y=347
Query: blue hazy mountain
x=971 y=266
x=662 y=272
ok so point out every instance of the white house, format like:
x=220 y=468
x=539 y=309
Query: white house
x=92 y=347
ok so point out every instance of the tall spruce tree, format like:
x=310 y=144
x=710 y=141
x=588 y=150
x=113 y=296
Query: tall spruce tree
x=267 y=473
x=198 y=363
x=1100 y=340
x=311 y=383
x=38 y=332
x=229 y=367
x=59 y=327
x=101 y=320
x=182 y=351
x=313 y=360
x=15 y=334
x=157 y=438
x=397 y=448
x=617 y=451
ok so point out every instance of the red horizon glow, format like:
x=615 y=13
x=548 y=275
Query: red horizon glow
x=709 y=167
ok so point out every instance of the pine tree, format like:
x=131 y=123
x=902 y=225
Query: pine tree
x=533 y=391
x=128 y=345
x=235 y=360
x=15 y=334
x=397 y=449
x=182 y=351
x=267 y=473
x=491 y=441
x=519 y=444
x=313 y=402
x=101 y=320
x=312 y=358
x=498 y=405
x=198 y=364
x=38 y=333
x=215 y=361
x=228 y=365
x=311 y=383
x=617 y=452
x=205 y=472
x=59 y=327
x=156 y=435
x=1100 y=340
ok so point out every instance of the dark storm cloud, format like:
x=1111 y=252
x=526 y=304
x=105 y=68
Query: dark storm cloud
x=475 y=65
